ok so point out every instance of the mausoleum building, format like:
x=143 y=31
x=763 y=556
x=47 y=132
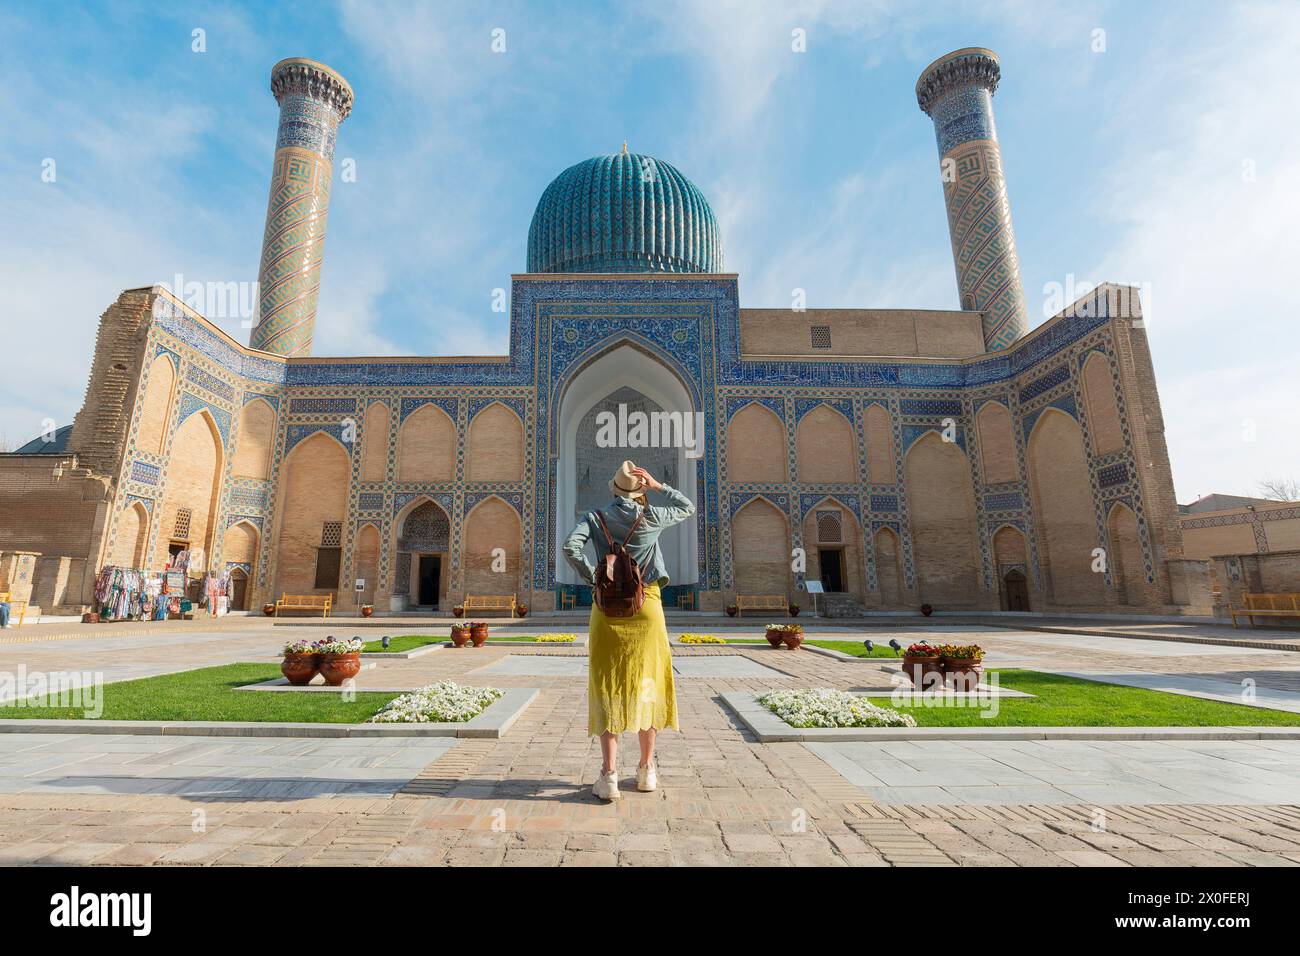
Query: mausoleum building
x=954 y=458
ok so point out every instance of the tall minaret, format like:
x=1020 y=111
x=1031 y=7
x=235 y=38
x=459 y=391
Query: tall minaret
x=956 y=91
x=313 y=101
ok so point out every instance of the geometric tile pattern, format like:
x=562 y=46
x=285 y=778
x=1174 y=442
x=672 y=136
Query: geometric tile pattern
x=690 y=325
x=957 y=93
x=313 y=101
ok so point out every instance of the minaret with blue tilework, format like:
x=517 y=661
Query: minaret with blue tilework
x=956 y=92
x=313 y=100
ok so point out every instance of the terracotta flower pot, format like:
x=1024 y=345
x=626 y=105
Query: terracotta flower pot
x=268 y=609
x=775 y=638
x=458 y=610
x=921 y=669
x=732 y=611
x=927 y=610
x=792 y=639
x=521 y=610
x=459 y=635
x=794 y=610
x=90 y=617
x=299 y=669
x=336 y=668
x=479 y=635
x=963 y=673
x=367 y=611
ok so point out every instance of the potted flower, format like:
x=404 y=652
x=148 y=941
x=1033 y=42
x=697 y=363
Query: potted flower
x=340 y=660
x=963 y=664
x=794 y=609
x=791 y=635
x=920 y=661
x=521 y=610
x=301 y=662
x=269 y=609
x=459 y=635
x=478 y=632
x=732 y=610
x=367 y=610
x=458 y=610
x=927 y=609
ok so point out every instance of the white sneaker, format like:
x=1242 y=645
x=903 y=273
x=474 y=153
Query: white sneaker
x=646 y=779
x=606 y=786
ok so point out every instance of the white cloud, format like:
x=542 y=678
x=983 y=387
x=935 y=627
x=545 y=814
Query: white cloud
x=1218 y=251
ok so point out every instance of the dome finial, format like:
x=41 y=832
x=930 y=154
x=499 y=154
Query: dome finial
x=624 y=147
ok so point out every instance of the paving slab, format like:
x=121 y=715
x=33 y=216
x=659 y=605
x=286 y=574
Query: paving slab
x=237 y=768
x=1129 y=773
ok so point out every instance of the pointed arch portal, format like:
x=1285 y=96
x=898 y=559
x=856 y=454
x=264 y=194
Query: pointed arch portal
x=630 y=376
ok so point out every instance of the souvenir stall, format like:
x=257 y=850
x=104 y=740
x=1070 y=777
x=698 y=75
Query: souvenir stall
x=215 y=594
x=129 y=594
x=134 y=594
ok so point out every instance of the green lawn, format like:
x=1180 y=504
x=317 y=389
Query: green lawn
x=1070 y=702
x=209 y=694
x=409 y=642
x=858 y=649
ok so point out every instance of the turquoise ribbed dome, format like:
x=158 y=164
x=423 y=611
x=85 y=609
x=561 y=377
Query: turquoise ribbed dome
x=623 y=213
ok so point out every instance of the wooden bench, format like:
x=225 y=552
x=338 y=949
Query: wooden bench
x=489 y=602
x=305 y=602
x=16 y=608
x=1267 y=605
x=762 y=602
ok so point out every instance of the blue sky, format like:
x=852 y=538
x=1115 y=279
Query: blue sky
x=1170 y=159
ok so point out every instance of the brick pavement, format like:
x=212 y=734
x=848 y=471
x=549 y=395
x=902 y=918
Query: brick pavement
x=724 y=800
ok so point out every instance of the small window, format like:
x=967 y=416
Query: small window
x=331 y=534
x=829 y=527
x=328 y=561
x=182 y=529
x=821 y=336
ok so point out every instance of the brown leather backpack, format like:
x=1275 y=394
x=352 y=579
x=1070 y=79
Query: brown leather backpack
x=619 y=590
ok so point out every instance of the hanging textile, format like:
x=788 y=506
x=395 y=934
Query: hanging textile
x=127 y=593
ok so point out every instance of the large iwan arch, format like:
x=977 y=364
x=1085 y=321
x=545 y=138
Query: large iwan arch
x=624 y=366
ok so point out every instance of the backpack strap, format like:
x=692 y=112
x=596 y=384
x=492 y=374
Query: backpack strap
x=609 y=539
x=630 y=530
x=600 y=520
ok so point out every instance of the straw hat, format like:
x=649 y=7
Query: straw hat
x=624 y=484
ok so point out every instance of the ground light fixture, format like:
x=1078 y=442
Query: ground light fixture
x=893 y=642
x=385 y=642
x=869 y=646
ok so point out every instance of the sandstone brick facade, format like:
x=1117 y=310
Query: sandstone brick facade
x=1006 y=481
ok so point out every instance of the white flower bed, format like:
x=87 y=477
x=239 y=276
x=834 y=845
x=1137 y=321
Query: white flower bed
x=444 y=702
x=824 y=707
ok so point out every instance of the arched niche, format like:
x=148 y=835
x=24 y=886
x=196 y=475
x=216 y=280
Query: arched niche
x=625 y=366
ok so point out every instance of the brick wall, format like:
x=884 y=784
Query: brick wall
x=1063 y=507
x=426 y=446
x=760 y=541
x=825 y=447
x=997 y=445
x=756 y=446
x=494 y=450
x=862 y=332
x=941 y=505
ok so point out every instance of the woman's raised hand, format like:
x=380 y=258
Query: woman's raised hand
x=647 y=479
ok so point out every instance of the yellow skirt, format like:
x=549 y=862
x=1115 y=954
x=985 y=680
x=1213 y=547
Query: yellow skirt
x=630 y=682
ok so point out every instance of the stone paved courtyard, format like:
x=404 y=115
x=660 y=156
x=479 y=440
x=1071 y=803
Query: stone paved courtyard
x=725 y=799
